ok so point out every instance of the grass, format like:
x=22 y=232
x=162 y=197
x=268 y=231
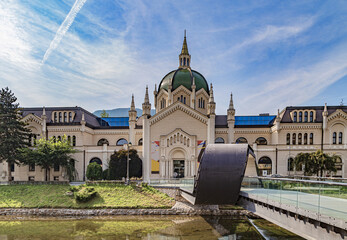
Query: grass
x=108 y=196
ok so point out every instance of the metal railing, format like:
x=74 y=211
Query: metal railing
x=322 y=200
x=186 y=183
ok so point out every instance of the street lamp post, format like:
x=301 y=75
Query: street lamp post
x=128 y=159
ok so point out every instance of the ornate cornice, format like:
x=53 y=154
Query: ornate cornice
x=178 y=106
x=181 y=88
x=337 y=114
x=32 y=118
x=253 y=131
x=299 y=127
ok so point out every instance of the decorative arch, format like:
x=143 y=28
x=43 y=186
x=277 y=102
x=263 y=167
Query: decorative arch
x=290 y=166
x=121 y=142
x=103 y=141
x=219 y=140
x=96 y=160
x=140 y=143
x=241 y=140
x=261 y=141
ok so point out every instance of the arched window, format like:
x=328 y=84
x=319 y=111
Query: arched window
x=53 y=138
x=338 y=163
x=241 y=140
x=121 y=142
x=184 y=61
x=305 y=138
x=96 y=160
x=70 y=117
x=294 y=139
x=73 y=140
x=311 y=138
x=311 y=116
x=181 y=62
x=60 y=117
x=188 y=62
x=290 y=166
x=140 y=142
x=103 y=141
x=299 y=138
x=219 y=140
x=261 y=141
x=65 y=116
x=306 y=116
x=55 y=117
x=334 y=138
x=265 y=166
x=295 y=116
x=288 y=138
x=59 y=138
x=184 y=100
x=340 y=137
x=300 y=116
x=69 y=139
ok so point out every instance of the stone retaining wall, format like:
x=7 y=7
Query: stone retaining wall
x=108 y=212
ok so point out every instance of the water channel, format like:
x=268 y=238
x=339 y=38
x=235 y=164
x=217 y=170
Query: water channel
x=140 y=227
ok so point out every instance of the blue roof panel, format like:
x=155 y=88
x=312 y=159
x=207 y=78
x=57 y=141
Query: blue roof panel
x=117 y=121
x=254 y=120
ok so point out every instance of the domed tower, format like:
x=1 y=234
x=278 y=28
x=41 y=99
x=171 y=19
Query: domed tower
x=183 y=84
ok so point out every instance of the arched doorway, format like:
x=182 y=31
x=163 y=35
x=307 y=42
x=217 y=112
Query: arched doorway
x=178 y=164
x=265 y=166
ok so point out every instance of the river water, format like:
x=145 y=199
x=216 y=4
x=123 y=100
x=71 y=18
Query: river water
x=139 y=227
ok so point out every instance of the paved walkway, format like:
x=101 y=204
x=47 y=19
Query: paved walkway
x=329 y=206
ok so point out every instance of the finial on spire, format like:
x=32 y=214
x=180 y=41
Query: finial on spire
x=146 y=95
x=132 y=107
x=211 y=94
x=44 y=111
x=325 y=107
x=184 y=58
x=231 y=103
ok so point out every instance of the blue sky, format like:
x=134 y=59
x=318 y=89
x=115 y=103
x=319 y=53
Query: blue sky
x=95 y=54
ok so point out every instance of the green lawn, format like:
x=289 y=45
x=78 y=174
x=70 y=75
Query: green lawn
x=108 y=196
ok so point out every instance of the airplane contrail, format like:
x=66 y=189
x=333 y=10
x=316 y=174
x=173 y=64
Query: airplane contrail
x=64 y=27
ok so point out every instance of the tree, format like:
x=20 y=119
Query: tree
x=49 y=153
x=316 y=162
x=94 y=171
x=13 y=133
x=118 y=165
x=104 y=114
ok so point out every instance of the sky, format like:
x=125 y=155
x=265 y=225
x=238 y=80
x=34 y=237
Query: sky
x=95 y=54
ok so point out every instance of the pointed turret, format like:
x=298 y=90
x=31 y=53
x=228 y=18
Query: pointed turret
x=132 y=112
x=231 y=109
x=146 y=106
x=184 y=58
x=211 y=106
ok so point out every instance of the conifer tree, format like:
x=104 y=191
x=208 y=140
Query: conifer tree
x=13 y=133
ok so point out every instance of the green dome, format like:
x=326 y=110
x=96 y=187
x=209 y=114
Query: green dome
x=183 y=77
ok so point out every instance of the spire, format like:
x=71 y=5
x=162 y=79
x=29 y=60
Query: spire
x=132 y=106
x=146 y=106
x=211 y=94
x=184 y=57
x=185 y=45
x=44 y=111
x=325 y=112
x=231 y=110
x=146 y=96
x=231 y=103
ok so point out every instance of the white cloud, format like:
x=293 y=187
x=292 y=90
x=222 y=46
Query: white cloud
x=64 y=27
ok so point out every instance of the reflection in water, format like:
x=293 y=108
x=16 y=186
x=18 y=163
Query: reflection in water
x=128 y=227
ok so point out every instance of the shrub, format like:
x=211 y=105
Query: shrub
x=105 y=174
x=85 y=194
x=94 y=171
x=118 y=165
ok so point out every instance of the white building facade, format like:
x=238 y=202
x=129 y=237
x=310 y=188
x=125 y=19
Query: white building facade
x=169 y=141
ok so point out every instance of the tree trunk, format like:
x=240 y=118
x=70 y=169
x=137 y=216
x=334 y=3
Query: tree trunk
x=9 y=171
